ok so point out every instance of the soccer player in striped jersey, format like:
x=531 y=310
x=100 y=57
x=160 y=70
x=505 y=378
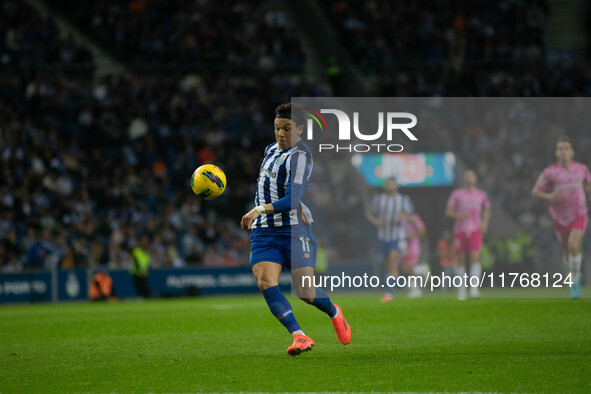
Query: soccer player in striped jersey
x=563 y=184
x=470 y=208
x=281 y=236
x=386 y=213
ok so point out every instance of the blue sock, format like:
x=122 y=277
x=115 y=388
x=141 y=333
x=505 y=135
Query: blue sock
x=281 y=308
x=324 y=303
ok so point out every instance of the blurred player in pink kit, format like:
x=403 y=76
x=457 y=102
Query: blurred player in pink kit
x=414 y=229
x=562 y=184
x=470 y=208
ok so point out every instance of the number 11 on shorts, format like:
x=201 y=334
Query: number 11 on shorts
x=305 y=244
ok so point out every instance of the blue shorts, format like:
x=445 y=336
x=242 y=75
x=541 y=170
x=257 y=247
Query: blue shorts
x=290 y=249
x=398 y=245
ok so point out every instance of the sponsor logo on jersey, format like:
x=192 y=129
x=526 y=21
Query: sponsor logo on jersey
x=268 y=174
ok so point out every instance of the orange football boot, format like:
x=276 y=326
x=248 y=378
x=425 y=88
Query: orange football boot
x=301 y=343
x=341 y=327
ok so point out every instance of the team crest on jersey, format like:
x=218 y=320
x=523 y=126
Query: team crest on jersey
x=281 y=160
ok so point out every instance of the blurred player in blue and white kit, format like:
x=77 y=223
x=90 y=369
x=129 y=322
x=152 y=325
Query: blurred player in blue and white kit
x=386 y=213
x=281 y=236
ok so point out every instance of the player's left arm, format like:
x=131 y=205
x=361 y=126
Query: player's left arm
x=372 y=214
x=485 y=220
x=299 y=171
x=485 y=215
x=408 y=209
x=587 y=181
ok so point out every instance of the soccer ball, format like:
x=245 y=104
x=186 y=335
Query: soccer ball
x=208 y=181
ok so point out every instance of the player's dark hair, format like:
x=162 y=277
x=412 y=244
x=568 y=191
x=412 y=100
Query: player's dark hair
x=293 y=111
x=564 y=138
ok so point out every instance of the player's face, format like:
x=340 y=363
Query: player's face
x=470 y=179
x=287 y=133
x=564 y=152
x=390 y=186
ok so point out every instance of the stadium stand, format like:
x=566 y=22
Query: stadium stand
x=124 y=170
x=154 y=35
x=471 y=48
x=28 y=40
x=386 y=36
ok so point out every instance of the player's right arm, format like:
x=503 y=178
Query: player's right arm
x=542 y=184
x=451 y=209
x=246 y=222
x=451 y=213
x=372 y=214
x=375 y=220
x=551 y=197
x=250 y=216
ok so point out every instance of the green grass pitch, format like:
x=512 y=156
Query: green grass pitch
x=235 y=344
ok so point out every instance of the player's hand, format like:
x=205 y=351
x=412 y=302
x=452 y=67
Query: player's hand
x=483 y=228
x=246 y=222
x=406 y=216
x=464 y=215
x=375 y=220
x=555 y=197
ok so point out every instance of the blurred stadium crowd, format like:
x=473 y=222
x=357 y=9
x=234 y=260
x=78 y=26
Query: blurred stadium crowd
x=30 y=40
x=226 y=34
x=460 y=48
x=90 y=165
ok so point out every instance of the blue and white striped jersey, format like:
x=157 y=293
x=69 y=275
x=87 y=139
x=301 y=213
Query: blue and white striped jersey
x=388 y=209
x=279 y=172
